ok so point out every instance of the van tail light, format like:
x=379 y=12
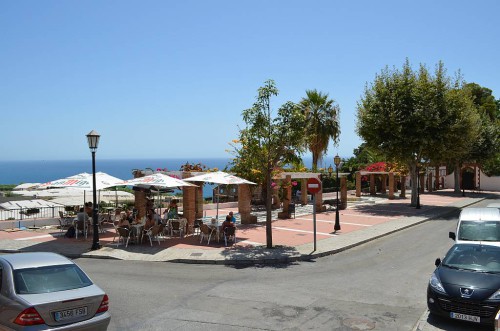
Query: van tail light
x=104 y=305
x=29 y=316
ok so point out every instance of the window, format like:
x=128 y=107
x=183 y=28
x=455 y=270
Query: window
x=50 y=279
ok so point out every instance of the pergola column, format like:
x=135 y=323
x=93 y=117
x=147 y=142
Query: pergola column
x=287 y=197
x=244 y=204
x=199 y=201
x=391 y=185
x=422 y=183
x=384 y=184
x=343 y=193
x=358 y=184
x=372 y=184
x=403 y=187
x=429 y=182
x=303 y=190
x=189 y=202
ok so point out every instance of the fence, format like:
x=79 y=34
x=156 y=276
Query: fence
x=30 y=213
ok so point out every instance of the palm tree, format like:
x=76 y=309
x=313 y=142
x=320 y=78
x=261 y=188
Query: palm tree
x=322 y=118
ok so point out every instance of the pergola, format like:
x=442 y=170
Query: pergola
x=384 y=174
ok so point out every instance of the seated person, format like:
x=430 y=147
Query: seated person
x=233 y=219
x=228 y=223
x=150 y=222
x=123 y=222
x=173 y=209
x=88 y=209
x=156 y=217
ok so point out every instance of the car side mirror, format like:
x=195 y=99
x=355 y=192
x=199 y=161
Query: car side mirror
x=452 y=235
x=437 y=262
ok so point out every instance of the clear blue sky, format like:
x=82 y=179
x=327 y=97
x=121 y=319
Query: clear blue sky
x=169 y=79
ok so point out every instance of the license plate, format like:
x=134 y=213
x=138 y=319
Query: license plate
x=464 y=317
x=70 y=313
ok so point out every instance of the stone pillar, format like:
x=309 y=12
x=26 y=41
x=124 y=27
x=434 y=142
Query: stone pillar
x=437 y=177
x=343 y=193
x=276 y=197
x=199 y=201
x=422 y=184
x=140 y=197
x=189 y=202
x=244 y=204
x=391 y=186
x=429 y=181
x=358 y=184
x=403 y=187
x=383 y=189
x=319 y=200
x=372 y=184
x=303 y=191
x=287 y=197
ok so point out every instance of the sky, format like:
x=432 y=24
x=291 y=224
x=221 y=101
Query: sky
x=170 y=79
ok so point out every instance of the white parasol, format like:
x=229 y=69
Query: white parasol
x=219 y=177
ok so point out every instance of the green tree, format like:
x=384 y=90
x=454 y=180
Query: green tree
x=413 y=117
x=322 y=115
x=268 y=143
x=486 y=149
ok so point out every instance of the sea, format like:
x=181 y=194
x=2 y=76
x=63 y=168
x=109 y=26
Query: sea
x=42 y=171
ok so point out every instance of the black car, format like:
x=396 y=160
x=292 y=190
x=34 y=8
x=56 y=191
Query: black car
x=466 y=284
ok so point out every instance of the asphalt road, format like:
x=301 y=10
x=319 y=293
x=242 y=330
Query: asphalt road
x=377 y=286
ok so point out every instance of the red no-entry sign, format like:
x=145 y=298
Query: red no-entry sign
x=313 y=185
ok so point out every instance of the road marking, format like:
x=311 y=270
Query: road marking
x=304 y=231
x=35 y=237
x=326 y=221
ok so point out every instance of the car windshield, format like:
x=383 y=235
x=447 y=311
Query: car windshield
x=49 y=279
x=479 y=258
x=479 y=231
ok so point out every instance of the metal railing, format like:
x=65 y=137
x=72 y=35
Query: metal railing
x=30 y=213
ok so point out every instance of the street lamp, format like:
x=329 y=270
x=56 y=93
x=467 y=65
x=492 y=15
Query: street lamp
x=336 y=160
x=93 y=140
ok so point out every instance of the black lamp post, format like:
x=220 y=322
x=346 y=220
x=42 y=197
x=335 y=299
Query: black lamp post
x=93 y=140
x=336 y=160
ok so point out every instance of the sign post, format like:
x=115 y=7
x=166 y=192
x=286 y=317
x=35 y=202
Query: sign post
x=314 y=186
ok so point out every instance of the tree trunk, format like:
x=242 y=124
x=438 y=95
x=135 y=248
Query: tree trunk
x=457 y=176
x=414 y=180
x=269 y=233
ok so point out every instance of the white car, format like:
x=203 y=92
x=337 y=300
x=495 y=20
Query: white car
x=478 y=225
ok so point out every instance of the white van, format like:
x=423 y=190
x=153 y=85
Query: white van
x=478 y=225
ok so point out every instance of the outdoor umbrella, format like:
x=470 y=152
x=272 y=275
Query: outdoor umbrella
x=84 y=181
x=219 y=177
x=157 y=180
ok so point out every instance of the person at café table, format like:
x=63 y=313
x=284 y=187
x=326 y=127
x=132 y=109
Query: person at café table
x=173 y=209
x=228 y=223
x=123 y=222
x=233 y=219
x=150 y=222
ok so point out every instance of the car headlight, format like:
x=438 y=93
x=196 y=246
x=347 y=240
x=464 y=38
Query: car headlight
x=495 y=296
x=435 y=283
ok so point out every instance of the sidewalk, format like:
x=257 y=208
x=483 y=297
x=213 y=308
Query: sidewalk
x=293 y=239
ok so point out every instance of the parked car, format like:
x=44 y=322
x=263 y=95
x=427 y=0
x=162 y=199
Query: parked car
x=477 y=225
x=466 y=284
x=41 y=291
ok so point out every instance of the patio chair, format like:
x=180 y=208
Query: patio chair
x=123 y=234
x=153 y=232
x=196 y=227
x=205 y=232
x=230 y=234
x=176 y=227
x=64 y=224
x=81 y=224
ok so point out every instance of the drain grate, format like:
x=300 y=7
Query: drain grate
x=196 y=254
